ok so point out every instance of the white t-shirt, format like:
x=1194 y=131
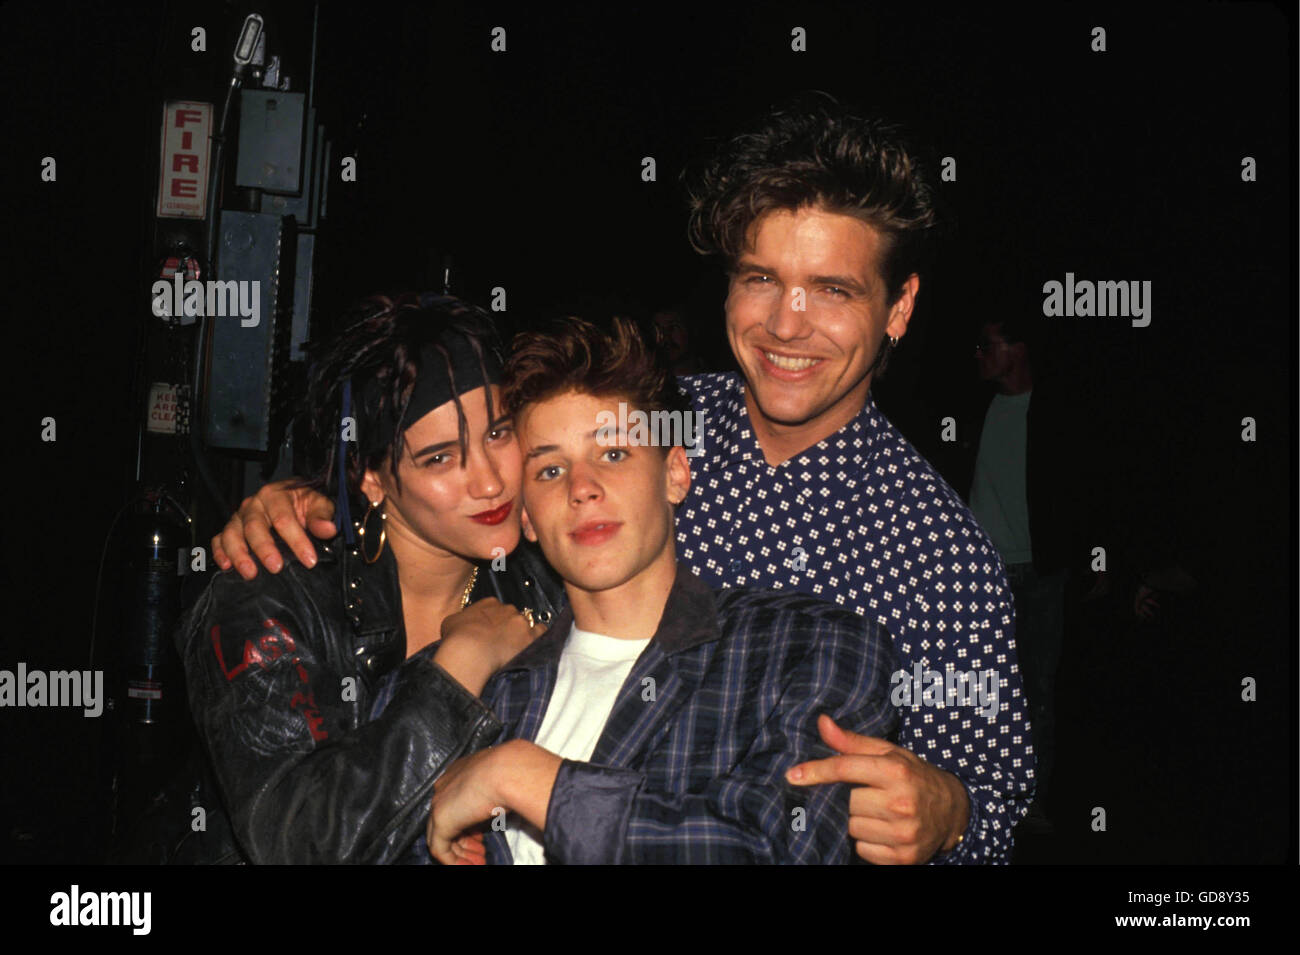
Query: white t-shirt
x=592 y=669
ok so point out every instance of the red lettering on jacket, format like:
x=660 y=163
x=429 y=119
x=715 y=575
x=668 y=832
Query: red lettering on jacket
x=271 y=646
x=251 y=655
x=305 y=703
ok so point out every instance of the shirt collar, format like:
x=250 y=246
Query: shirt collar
x=733 y=434
x=689 y=619
x=853 y=445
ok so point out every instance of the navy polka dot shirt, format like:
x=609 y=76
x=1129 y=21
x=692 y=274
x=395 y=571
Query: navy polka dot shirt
x=862 y=520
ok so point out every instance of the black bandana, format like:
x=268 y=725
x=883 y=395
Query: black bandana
x=377 y=424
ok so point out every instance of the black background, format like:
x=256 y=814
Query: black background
x=526 y=166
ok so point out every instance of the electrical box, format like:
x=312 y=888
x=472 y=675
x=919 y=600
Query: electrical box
x=270 y=141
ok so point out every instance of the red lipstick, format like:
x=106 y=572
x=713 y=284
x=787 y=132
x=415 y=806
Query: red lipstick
x=495 y=516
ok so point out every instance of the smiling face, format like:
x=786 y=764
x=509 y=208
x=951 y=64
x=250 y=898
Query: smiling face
x=806 y=314
x=443 y=507
x=602 y=512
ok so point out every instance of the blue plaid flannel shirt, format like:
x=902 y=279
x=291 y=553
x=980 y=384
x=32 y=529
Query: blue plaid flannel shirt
x=690 y=765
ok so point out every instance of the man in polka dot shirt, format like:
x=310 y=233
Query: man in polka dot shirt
x=802 y=483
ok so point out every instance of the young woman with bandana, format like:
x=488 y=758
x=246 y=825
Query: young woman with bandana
x=329 y=698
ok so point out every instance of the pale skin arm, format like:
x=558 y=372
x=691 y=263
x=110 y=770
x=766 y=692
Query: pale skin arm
x=517 y=776
x=905 y=809
x=292 y=514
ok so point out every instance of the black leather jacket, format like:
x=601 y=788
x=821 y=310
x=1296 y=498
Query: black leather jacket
x=281 y=673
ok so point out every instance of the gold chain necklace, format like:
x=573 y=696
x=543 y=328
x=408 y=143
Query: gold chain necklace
x=464 y=598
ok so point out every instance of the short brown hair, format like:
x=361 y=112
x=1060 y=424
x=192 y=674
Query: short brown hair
x=814 y=152
x=573 y=354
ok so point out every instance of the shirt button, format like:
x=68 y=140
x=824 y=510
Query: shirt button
x=737 y=566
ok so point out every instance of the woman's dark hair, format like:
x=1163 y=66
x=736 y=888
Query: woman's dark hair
x=379 y=354
x=813 y=152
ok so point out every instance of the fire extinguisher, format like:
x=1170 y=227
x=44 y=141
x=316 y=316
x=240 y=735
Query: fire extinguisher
x=156 y=540
x=150 y=724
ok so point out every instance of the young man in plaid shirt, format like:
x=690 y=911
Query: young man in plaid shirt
x=656 y=719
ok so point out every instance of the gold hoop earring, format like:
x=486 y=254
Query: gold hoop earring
x=383 y=532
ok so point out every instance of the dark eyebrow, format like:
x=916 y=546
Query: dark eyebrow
x=748 y=265
x=842 y=280
x=434 y=448
x=548 y=448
